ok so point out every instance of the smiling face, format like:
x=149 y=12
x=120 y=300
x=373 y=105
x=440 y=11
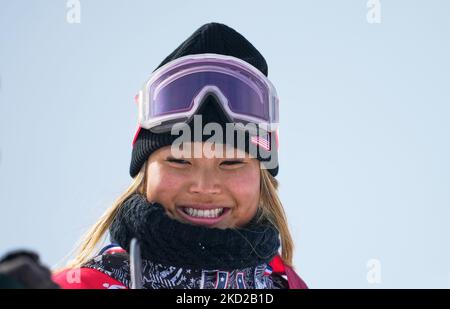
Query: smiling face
x=210 y=190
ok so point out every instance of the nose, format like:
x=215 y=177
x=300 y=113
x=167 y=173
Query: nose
x=205 y=182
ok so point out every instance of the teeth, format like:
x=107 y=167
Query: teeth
x=210 y=213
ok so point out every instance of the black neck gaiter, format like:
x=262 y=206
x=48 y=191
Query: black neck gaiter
x=171 y=242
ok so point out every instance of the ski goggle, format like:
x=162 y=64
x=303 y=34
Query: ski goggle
x=176 y=91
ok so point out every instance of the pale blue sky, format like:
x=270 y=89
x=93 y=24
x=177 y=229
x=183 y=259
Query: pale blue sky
x=364 y=112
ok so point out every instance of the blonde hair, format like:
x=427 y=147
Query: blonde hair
x=270 y=206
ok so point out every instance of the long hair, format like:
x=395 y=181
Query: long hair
x=270 y=205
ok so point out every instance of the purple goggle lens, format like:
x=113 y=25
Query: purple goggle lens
x=178 y=96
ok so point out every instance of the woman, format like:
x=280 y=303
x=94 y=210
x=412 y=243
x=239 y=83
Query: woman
x=204 y=207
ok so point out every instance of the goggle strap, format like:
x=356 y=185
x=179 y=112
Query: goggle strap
x=136 y=135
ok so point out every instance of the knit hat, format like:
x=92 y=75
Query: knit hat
x=218 y=39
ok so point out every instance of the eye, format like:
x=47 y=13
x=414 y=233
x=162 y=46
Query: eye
x=232 y=162
x=178 y=161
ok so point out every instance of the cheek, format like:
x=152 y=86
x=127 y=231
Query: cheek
x=245 y=190
x=162 y=187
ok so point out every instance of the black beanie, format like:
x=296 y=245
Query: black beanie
x=213 y=38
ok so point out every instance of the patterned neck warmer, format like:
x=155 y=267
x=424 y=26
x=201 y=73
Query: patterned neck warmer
x=160 y=276
x=170 y=242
